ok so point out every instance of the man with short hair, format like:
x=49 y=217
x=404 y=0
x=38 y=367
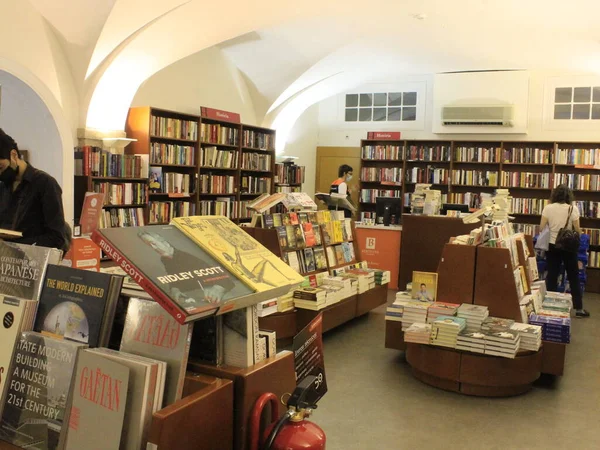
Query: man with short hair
x=340 y=186
x=30 y=200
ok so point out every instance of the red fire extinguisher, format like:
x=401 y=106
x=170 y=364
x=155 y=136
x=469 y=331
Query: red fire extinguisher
x=291 y=431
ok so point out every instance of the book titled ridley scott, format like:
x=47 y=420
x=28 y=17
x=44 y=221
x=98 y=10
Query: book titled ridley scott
x=39 y=382
x=178 y=274
x=22 y=268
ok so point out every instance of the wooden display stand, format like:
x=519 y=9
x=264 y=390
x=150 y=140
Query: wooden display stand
x=456 y=274
x=380 y=247
x=423 y=241
x=274 y=375
x=371 y=299
x=333 y=315
x=394 y=336
x=185 y=425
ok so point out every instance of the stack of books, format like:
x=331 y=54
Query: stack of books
x=473 y=314
x=496 y=324
x=531 y=336
x=555 y=302
x=267 y=308
x=344 y=283
x=444 y=331
x=369 y=276
x=310 y=298
x=382 y=277
x=394 y=312
x=414 y=312
x=334 y=294
x=555 y=329
x=471 y=341
x=418 y=333
x=285 y=302
x=502 y=343
x=441 y=309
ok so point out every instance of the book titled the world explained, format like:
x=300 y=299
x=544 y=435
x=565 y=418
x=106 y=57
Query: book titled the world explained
x=186 y=280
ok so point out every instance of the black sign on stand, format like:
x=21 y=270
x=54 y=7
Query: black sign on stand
x=308 y=357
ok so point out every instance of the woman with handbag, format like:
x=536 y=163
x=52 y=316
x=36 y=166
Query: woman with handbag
x=562 y=218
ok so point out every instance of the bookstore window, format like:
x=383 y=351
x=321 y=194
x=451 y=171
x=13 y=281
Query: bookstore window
x=381 y=107
x=577 y=103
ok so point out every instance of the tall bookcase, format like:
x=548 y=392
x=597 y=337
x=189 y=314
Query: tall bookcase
x=289 y=177
x=228 y=163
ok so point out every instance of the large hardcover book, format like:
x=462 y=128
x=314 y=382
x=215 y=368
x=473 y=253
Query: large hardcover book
x=17 y=316
x=144 y=379
x=78 y=305
x=151 y=332
x=186 y=280
x=240 y=330
x=253 y=263
x=98 y=402
x=22 y=268
x=39 y=382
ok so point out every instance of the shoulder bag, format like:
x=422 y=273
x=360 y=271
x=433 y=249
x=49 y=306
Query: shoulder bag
x=567 y=238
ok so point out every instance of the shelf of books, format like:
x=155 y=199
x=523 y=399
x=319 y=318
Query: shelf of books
x=129 y=329
x=494 y=335
x=289 y=177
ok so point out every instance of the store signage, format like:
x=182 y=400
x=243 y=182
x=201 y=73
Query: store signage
x=217 y=114
x=308 y=357
x=384 y=135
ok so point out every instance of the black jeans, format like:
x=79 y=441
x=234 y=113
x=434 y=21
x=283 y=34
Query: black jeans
x=554 y=257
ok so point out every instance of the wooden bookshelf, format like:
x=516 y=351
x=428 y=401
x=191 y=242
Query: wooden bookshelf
x=289 y=177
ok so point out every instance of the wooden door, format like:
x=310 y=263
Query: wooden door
x=329 y=159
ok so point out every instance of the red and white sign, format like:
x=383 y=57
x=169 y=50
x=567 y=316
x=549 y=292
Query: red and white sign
x=90 y=212
x=217 y=114
x=384 y=135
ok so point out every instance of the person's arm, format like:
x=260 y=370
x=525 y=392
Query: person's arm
x=53 y=218
x=576 y=226
x=343 y=188
x=544 y=222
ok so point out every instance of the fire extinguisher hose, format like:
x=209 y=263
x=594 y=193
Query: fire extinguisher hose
x=275 y=431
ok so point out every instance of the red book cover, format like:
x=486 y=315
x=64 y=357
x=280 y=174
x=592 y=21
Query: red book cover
x=90 y=213
x=384 y=135
x=309 y=234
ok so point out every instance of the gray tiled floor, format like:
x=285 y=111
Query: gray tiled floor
x=374 y=403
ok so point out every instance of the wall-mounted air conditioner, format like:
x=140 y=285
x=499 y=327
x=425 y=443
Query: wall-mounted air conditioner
x=500 y=115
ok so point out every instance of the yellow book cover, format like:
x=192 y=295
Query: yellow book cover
x=338 y=234
x=244 y=256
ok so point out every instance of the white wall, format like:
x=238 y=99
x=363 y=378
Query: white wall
x=333 y=131
x=302 y=142
x=25 y=117
x=206 y=78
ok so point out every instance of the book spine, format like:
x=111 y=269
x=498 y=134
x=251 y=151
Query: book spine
x=255 y=334
x=138 y=276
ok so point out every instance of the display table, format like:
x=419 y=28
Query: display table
x=380 y=247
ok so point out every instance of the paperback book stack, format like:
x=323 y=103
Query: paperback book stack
x=496 y=324
x=334 y=294
x=556 y=304
x=471 y=341
x=444 y=331
x=310 y=298
x=441 y=309
x=382 y=277
x=531 y=336
x=414 y=312
x=345 y=285
x=555 y=329
x=474 y=315
x=502 y=343
x=395 y=311
x=369 y=278
x=285 y=302
x=418 y=333
x=267 y=307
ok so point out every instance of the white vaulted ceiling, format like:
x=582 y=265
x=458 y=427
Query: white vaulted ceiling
x=297 y=53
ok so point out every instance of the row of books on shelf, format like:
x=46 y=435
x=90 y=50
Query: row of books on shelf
x=289 y=174
x=287 y=189
x=594 y=259
x=594 y=234
x=430 y=175
x=122 y=193
x=224 y=206
x=342 y=228
x=381 y=174
x=182 y=155
x=219 y=134
x=256 y=161
x=121 y=217
x=579 y=182
x=255 y=185
x=170 y=182
x=215 y=157
x=306 y=260
x=468 y=198
x=163 y=212
x=93 y=161
x=528 y=205
x=370 y=195
x=174 y=128
x=475 y=177
x=217 y=184
x=59 y=378
x=258 y=140
x=466 y=154
x=526 y=179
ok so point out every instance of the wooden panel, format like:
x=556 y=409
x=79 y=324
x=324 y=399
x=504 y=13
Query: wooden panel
x=593 y=281
x=267 y=237
x=138 y=127
x=371 y=299
x=7 y=446
x=185 y=425
x=456 y=274
x=440 y=383
x=194 y=382
x=333 y=316
x=423 y=239
x=272 y=375
x=494 y=391
x=553 y=359
x=434 y=361
x=329 y=159
x=485 y=370
x=284 y=324
x=394 y=336
x=495 y=285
